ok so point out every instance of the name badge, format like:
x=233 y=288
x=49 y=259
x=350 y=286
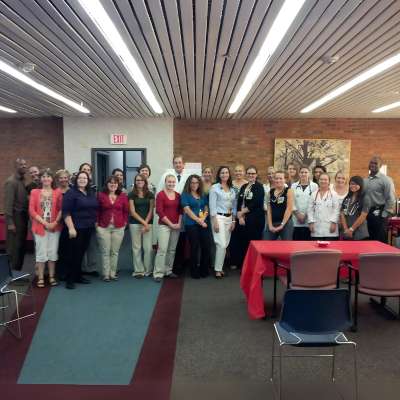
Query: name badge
x=280 y=200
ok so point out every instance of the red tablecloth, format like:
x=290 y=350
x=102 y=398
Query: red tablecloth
x=261 y=254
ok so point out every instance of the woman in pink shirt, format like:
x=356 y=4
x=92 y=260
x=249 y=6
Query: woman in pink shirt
x=45 y=213
x=170 y=214
x=112 y=217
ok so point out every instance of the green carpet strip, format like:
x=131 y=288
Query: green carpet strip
x=92 y=335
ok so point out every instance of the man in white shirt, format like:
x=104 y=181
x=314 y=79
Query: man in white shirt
x=178 y=171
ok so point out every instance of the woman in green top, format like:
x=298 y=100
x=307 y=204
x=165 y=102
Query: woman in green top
x=141 y=205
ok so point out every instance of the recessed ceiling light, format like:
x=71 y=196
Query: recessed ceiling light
x=105 y=25
x=6 y=109
x=279 y=27
x=387 y=108
x=364 y=76
x=327 y=59
x=15 y=73
x=28 y=67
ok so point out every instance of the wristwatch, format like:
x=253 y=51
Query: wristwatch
x=351 y=229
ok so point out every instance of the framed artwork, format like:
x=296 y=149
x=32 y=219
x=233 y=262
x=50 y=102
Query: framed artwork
x=333 y=154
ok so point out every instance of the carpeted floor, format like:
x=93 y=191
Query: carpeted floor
x=200 y=346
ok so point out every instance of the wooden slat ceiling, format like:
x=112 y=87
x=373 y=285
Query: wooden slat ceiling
x=195 y=54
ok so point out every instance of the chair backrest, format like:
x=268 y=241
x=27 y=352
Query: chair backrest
x=5 y=269
x=315 y=268
x=380 y=271
x=316 y=311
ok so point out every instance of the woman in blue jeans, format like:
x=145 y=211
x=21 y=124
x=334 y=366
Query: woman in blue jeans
x=280 y=208
x=195 y=206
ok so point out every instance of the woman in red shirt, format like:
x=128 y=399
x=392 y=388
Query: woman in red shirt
x=45 y=213
x=169 y=213
x=112 y=217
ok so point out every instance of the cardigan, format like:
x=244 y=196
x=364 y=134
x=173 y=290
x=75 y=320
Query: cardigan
x=35 y=210
x=116 y=212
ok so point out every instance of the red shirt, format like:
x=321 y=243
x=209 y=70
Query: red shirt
x=115 y=213
x=168 y=208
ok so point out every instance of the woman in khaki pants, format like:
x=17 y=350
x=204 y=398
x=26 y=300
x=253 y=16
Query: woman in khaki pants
x=112 y=218
x=141 y=205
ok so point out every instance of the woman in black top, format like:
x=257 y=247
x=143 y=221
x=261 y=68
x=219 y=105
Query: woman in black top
x=250 y=213
x=280 y=208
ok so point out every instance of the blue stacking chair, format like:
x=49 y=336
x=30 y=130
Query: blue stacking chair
x=7 y=278
x=313 y=318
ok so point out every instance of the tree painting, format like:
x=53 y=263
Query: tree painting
x=333 y=154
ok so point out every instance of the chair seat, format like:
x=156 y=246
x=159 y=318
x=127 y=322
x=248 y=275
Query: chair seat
x=376 y=292
x=308 y=339
x=283 y=279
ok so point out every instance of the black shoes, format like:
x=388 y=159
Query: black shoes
x=83 y=281
x=70 y=285
x=95 y=274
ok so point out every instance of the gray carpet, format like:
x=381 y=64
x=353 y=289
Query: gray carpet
x=222 y=354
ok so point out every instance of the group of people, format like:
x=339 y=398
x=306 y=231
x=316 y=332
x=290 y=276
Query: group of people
x=212 y=214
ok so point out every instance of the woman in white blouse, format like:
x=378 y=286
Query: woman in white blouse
x=323 y=211
x=222 y=205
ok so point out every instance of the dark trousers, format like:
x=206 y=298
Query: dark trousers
x=62 y=263
x=180 y=259
x=199 y=238
x=235 y=252
x=76 y=250
x=246 y=233
x=301 y=233
x=377 y=227
x=16 y=241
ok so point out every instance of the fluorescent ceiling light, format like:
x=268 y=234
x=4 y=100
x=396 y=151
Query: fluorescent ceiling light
x=279 y=27
x=103 y=22
x=15 y=73
x=386 y=108
x=6 y=109
x=368 y=74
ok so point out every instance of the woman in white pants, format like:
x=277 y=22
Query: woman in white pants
x=141 y=205
x=223 y=211
x=168 y=208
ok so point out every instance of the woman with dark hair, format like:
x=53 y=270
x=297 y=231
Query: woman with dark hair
x=280 y=208
x=223 y=213
x=79 y=210
x=145 y=170
x=293 y=174
x=250 y=213
x=112 y=217
x=354 y=211
x=195 y=206
x=45 y=213
x=141 y=205
x=119 y=174
x=317 y=171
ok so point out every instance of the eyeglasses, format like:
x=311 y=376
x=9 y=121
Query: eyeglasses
x=251 y=173
x=139 y=180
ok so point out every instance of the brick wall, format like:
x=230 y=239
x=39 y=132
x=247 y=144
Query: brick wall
x=38 y=140
x=252 y=141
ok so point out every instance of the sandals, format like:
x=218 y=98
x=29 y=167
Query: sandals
x=106 y=279
x=219 y=275
x=40 y=283
x=53 y=281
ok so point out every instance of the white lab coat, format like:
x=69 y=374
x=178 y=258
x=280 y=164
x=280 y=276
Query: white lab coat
x=301 y=200
x=322 y=212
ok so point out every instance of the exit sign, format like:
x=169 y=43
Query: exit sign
x=118 y=138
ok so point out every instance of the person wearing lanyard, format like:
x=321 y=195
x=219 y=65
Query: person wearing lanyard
x=223 y=211
x=302 y=191
x=323 y=211
x=379 y=189
x=195 y=206
x=280 y=209
x=354 y=211
x=250 y=213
